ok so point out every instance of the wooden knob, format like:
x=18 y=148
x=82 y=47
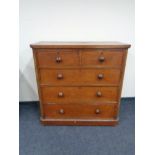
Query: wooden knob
x=100 y=76
x=101 y=59
x=60 y=94
x=59 y=76
x=61 y=111
x=99 y=94
x=97 y=111
x=58 y=59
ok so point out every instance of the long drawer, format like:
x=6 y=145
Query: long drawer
x=79 y=94
x=85 y=111
x=82 y=77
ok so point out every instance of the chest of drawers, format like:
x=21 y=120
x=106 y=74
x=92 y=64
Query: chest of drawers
x=79 y=83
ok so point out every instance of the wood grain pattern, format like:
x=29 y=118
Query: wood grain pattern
x=49 y=58
x=121 y=79
x=111 y=58
x=79 y=83
x=85 y=111
x=105 y=45
x=82 y=77
x=38 y=82
x=79 y=122
x=79 y=94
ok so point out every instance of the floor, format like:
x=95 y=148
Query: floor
x=36 y=139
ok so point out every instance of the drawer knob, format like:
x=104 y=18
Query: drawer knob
x=101 y=59
x=59 y=76
x=97 y=111
x=99 y=94
x=60 y=94
x=61 y=111
x=100 y=76
x=58 y=59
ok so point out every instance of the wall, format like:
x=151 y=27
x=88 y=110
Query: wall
x=73 y=20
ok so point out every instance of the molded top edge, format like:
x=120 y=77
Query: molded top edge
x=108 y=44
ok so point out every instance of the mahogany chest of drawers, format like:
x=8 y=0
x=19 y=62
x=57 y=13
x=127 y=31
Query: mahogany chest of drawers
x=79 y=83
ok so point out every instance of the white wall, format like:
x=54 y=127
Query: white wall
x=73 y=20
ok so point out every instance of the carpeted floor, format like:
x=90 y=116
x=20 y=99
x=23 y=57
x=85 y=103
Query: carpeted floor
x=36 y=139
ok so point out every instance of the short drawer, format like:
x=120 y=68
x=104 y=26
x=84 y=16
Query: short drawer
x=104 y=58
x=82 y=77
x=79 y=94
x=57 y=58
x=103 y=111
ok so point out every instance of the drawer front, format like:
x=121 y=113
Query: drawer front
x=57 y=58
x=107 y=111
x=79 y=94
x=82 y=77
x=110 y=58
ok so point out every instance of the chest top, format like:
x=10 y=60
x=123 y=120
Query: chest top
x=110 y=45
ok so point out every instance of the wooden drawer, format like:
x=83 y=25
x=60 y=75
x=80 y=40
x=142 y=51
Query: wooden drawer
x=57 y=58
x=100 y=57
x=106 y=111
x=79 y=94
x=82 y=77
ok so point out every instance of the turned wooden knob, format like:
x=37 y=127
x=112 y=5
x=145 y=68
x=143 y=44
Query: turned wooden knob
x=99 y=94
x=101 y=59
x=59 y=76
x=100 y=76
x=58 y=59
x=60 y=94
x=61 y=111
x=97 y=111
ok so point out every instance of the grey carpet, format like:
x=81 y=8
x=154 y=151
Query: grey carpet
x=36 y=139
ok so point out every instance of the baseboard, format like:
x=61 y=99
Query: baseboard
x=28 y=102
x=128 y=98
x=36 y=102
